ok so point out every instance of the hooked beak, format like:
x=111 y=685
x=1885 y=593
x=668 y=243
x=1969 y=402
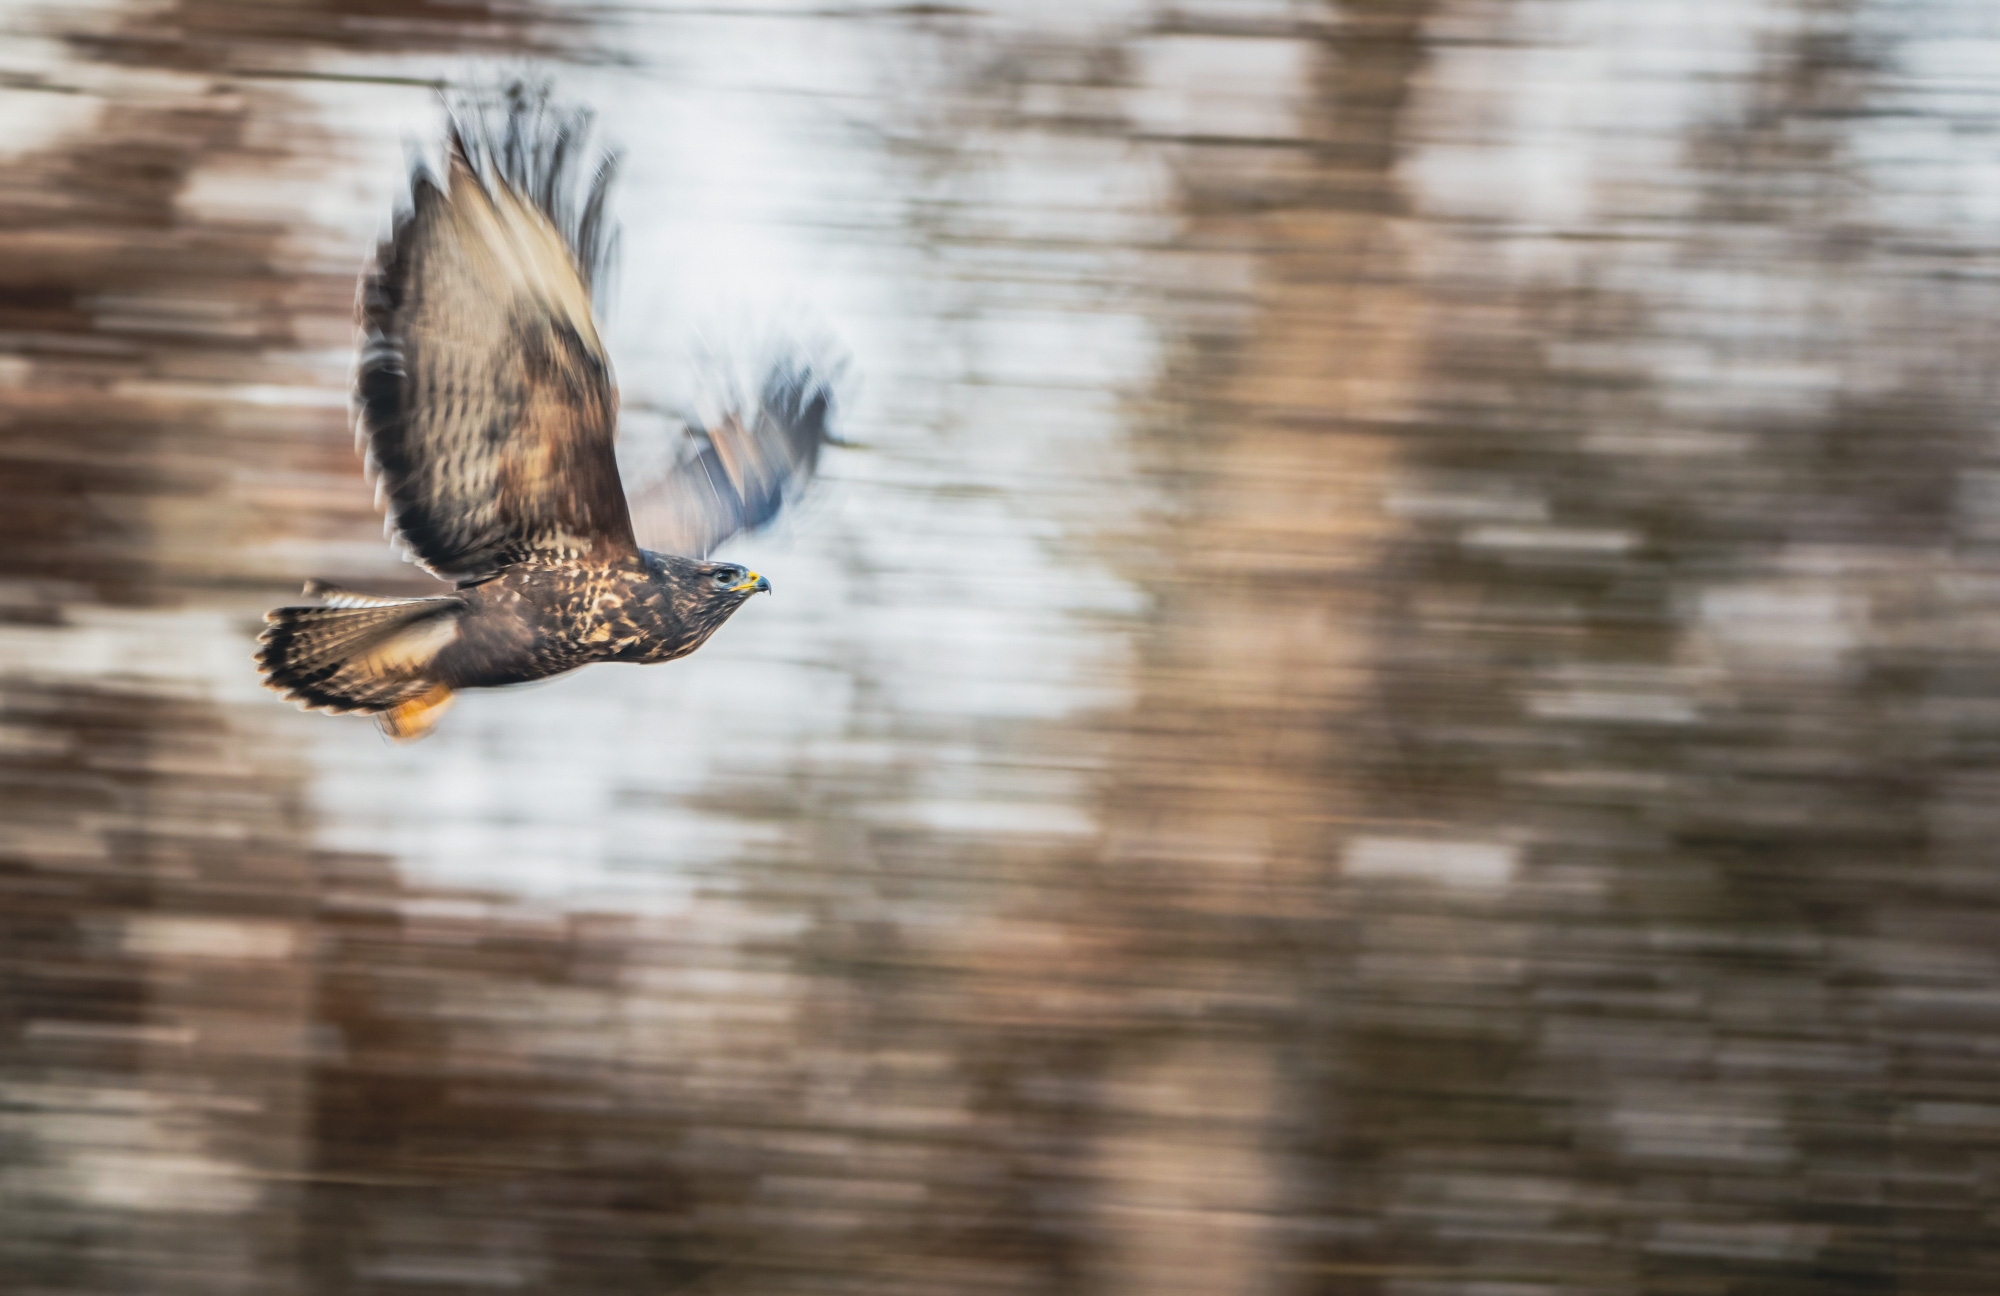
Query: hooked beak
x=751 y=584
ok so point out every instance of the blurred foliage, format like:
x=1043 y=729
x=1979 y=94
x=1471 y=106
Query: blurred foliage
x=1467 y=767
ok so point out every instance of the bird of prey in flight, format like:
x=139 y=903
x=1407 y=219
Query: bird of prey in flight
x=488 y=412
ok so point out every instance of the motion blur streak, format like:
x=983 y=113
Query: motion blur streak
x=1395 y=694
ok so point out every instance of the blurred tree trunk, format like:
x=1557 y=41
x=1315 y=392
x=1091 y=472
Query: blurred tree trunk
x=1274 y=456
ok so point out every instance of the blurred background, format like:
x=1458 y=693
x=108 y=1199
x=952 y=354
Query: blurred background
x=1398 y=694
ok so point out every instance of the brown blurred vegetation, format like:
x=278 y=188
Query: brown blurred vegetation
x=1545 y=845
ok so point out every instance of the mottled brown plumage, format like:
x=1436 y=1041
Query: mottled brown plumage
x=489 y=413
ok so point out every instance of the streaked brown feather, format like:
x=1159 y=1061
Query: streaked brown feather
x=486 y=396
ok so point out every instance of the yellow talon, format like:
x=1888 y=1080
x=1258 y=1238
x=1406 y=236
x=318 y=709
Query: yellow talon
x=408 y=721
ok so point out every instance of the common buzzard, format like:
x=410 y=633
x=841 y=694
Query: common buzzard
x=488 y=411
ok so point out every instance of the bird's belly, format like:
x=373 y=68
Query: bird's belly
x=532 y=623
x=507 y=645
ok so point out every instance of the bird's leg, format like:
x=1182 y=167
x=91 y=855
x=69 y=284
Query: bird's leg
x=411 y=720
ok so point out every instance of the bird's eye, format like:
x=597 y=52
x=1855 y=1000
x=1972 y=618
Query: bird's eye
x=725 y=577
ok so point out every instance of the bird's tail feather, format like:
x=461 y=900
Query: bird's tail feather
x=357 y=652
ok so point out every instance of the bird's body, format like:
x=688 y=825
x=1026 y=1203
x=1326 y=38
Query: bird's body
x=535 y=620
x=489 y=412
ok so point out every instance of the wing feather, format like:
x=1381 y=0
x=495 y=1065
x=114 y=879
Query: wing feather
x=486 y=397
x=735 y=476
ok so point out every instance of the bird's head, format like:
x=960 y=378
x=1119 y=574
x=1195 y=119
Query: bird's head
x=730 y=583
x=702 y=594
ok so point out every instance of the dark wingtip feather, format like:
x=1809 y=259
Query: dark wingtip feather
x=800 y=398
x=520 y=137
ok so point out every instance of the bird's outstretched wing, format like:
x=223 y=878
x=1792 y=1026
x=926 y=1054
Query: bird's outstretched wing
x=734 y=476
x=486 y=397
